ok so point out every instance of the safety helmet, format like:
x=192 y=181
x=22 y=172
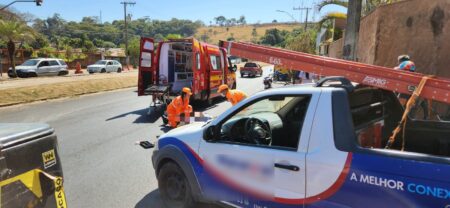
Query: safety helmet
x=187 y=90
x=222 y=88
x=403 y=58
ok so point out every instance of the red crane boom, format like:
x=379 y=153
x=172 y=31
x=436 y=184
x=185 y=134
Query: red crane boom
x=436 y=88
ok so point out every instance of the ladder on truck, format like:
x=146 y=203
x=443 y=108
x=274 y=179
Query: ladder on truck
x=435 y=88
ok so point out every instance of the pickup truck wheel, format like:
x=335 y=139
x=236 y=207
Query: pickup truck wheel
x=103 y=71
x=242 y=75
x=119 y=70
x=174 y=187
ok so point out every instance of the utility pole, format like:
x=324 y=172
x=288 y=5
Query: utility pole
x=352 y=30
x=307 y=11
x=101 y=22
x=125 y=4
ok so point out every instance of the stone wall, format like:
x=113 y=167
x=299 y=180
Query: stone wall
x=415 y=27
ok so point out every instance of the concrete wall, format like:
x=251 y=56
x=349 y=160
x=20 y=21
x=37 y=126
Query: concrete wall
x=368 y=34
x=415 y=27
x=335 y=49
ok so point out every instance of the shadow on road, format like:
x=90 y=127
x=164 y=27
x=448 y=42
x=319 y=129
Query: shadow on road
x=155 y=115
x=143 y=117
x=153 y=199
x=165 y=128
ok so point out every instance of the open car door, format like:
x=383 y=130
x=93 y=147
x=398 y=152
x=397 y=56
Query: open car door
x=146 y=67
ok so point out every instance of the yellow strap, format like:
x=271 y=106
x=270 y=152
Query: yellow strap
x=409 y=105
x=31 y=180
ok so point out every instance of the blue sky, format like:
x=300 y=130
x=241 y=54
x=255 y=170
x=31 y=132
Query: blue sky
x=205 y=10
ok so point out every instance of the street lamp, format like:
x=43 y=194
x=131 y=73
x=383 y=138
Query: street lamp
x=38 y=3
x=290 y=15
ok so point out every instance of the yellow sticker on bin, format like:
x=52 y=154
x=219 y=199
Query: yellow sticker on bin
x=31 y=180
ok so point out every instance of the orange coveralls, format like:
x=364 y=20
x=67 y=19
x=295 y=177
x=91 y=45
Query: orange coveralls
x=175 y=108
x=235 y=96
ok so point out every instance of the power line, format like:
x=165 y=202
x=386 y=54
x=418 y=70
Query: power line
x=307 y=11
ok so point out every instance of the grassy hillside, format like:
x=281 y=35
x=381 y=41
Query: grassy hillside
x=240 y=33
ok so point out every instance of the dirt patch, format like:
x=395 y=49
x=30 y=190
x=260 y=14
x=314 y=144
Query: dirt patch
x=13 y=96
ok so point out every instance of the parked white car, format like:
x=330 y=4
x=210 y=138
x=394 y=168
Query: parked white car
x=103 y=66
x=40 y=67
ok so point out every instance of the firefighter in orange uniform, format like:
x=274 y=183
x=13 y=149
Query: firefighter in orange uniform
x=233 y=96
x=178 y=106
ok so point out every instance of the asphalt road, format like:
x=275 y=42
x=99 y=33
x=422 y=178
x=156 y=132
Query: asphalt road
x=97 y=133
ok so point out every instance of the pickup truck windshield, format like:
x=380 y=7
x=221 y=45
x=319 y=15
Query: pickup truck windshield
x=250 y=65
x=265 y=106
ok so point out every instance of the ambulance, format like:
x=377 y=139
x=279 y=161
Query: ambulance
x=179 y=63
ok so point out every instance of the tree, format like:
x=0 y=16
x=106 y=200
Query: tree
x=274 y=21
x=242 y=20
x=220 y=20
x=14 y=31
x=134 y=47
x=228 y=22
x=233 y=21
x=302 y=41
x=173 y=36
x=272 y=37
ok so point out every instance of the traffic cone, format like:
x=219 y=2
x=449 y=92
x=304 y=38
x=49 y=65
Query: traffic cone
x=78 y=68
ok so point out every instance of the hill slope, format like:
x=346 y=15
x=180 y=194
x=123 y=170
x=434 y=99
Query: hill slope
x=240 y=33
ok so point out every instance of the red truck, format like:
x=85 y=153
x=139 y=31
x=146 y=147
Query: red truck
x=251 y=70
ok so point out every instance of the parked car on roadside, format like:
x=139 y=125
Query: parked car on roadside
x=103 y=66
x=40 y=67
x=251 y=70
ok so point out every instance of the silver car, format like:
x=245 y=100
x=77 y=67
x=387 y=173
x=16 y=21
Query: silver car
x=103 y=66
x=40 y=67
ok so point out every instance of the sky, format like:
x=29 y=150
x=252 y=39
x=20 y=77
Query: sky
x=205 y=10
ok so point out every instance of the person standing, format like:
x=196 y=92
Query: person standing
x=233 y=96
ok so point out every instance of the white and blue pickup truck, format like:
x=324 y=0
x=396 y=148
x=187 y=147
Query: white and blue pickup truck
x=307 y=146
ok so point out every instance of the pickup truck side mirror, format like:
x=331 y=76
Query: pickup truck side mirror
x=210 y=134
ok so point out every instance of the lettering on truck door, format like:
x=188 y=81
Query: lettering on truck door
x=268 y=171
